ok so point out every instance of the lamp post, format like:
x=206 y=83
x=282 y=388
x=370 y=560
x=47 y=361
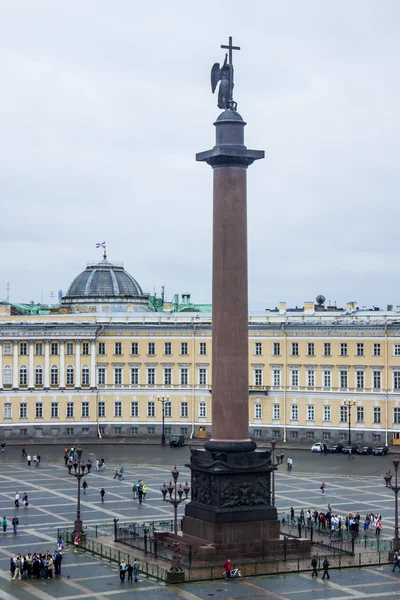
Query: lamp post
x=163 y=399
x=273 y=444
x=388 y=480
x=175 y=493
x=80 y=470
x=349 y=404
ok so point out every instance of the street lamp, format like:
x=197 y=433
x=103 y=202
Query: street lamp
x=349 y=404
x=273 y=444
x=163 y=399
x=388 y=480
x=175 y=493
x=80 y=470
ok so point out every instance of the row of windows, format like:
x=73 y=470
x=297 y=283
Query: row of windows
x=101 y=376
x=327 y=349
x=152 y=349
x=39 y=377
x=326 y=413
x=54 y=348
x=85 y=410
x=360 y=379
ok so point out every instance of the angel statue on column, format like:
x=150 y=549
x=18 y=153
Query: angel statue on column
x=224 y=75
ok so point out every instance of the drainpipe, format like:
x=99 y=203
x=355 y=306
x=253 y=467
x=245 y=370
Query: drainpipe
x=98 y=332
x=284 y=379
x=193 y=377
x=386 y=386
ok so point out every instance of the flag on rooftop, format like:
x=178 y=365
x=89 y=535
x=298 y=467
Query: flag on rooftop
x=100 y=245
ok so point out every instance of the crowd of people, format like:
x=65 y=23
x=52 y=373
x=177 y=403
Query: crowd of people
x=37 y=565
x=324 y=521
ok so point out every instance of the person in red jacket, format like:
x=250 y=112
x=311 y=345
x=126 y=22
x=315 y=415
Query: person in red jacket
x=228 y=569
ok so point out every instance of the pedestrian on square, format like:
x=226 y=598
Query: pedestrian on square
x=15 y=524
x=323 y=486
x=325 y=565
x=116 y=474
x=35 y=460
x=3 y=445
x=18 y=568
x=4 y=524
x=396 y=561
x=102 y=493
x=136 y=566
x=284 y=518
x=130 y=571
x=29 y=459
x=38 y=459
x=378 y=527
x=140 y=494
x=13 y=560
x=144 y=488
x=314 y=563
x=57 y=562
x=134 y=491
x=23 y=451
x=350 y=454
x=60 y=544
x=122 y=571
x=85 y=486
x=121 y=475
x=292 y=519
x=76 y=543
x=16 y=500
x=228 y=569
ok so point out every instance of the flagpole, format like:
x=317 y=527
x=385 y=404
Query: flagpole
x=105 y=251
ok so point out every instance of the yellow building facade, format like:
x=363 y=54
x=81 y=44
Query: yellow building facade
x=111 y=373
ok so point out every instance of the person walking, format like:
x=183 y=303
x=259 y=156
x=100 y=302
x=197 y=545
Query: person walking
x=23 y=451
x=76 y=543
x=396 y=561
x=4 y=524
x=228 y=569
x=323 y=486
x=18 y=568
x=140 y=494
x=121 y=475
x=16 y=500
x=15 y=524
x=116 y=474
x=122 y=571
x=25 y=500
x=38 y=459
x=85 y=486
x=325 y=565
x=35 y=460
x=292 y=519
x=3 y=445
x=378 y=527
x=129 y=571
x=102 y=493
x=350 y=454
x=134 y=491
x=314 y=563
x=136 y=566
x=29 y=460
x=57 y=562
x=144 y=488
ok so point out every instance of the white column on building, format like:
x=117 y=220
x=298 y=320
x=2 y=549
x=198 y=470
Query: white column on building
x=46 y=364
x=15 y=366
x=62 y=364
x=1 y=365
x=30 y=367
x=93 y=364
x=78 y=364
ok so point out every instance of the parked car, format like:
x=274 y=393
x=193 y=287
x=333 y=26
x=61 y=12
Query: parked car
x=364 y=450
x=335 y=448
x=346 y=449
x=177 y=440
x=380 y=450
x=318 y=447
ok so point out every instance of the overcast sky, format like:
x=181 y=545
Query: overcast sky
x=105 y=103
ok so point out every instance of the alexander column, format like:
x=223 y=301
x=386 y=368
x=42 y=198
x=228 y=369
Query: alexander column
x=231 y=494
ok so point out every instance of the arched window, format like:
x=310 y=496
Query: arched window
x=23 y=375
x=7 y=375
x=85 y=375
x=39 y=375
x=54 y=375
x=70 y=375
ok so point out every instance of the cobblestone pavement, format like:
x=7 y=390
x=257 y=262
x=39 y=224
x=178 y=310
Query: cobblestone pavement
x=52 y=496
